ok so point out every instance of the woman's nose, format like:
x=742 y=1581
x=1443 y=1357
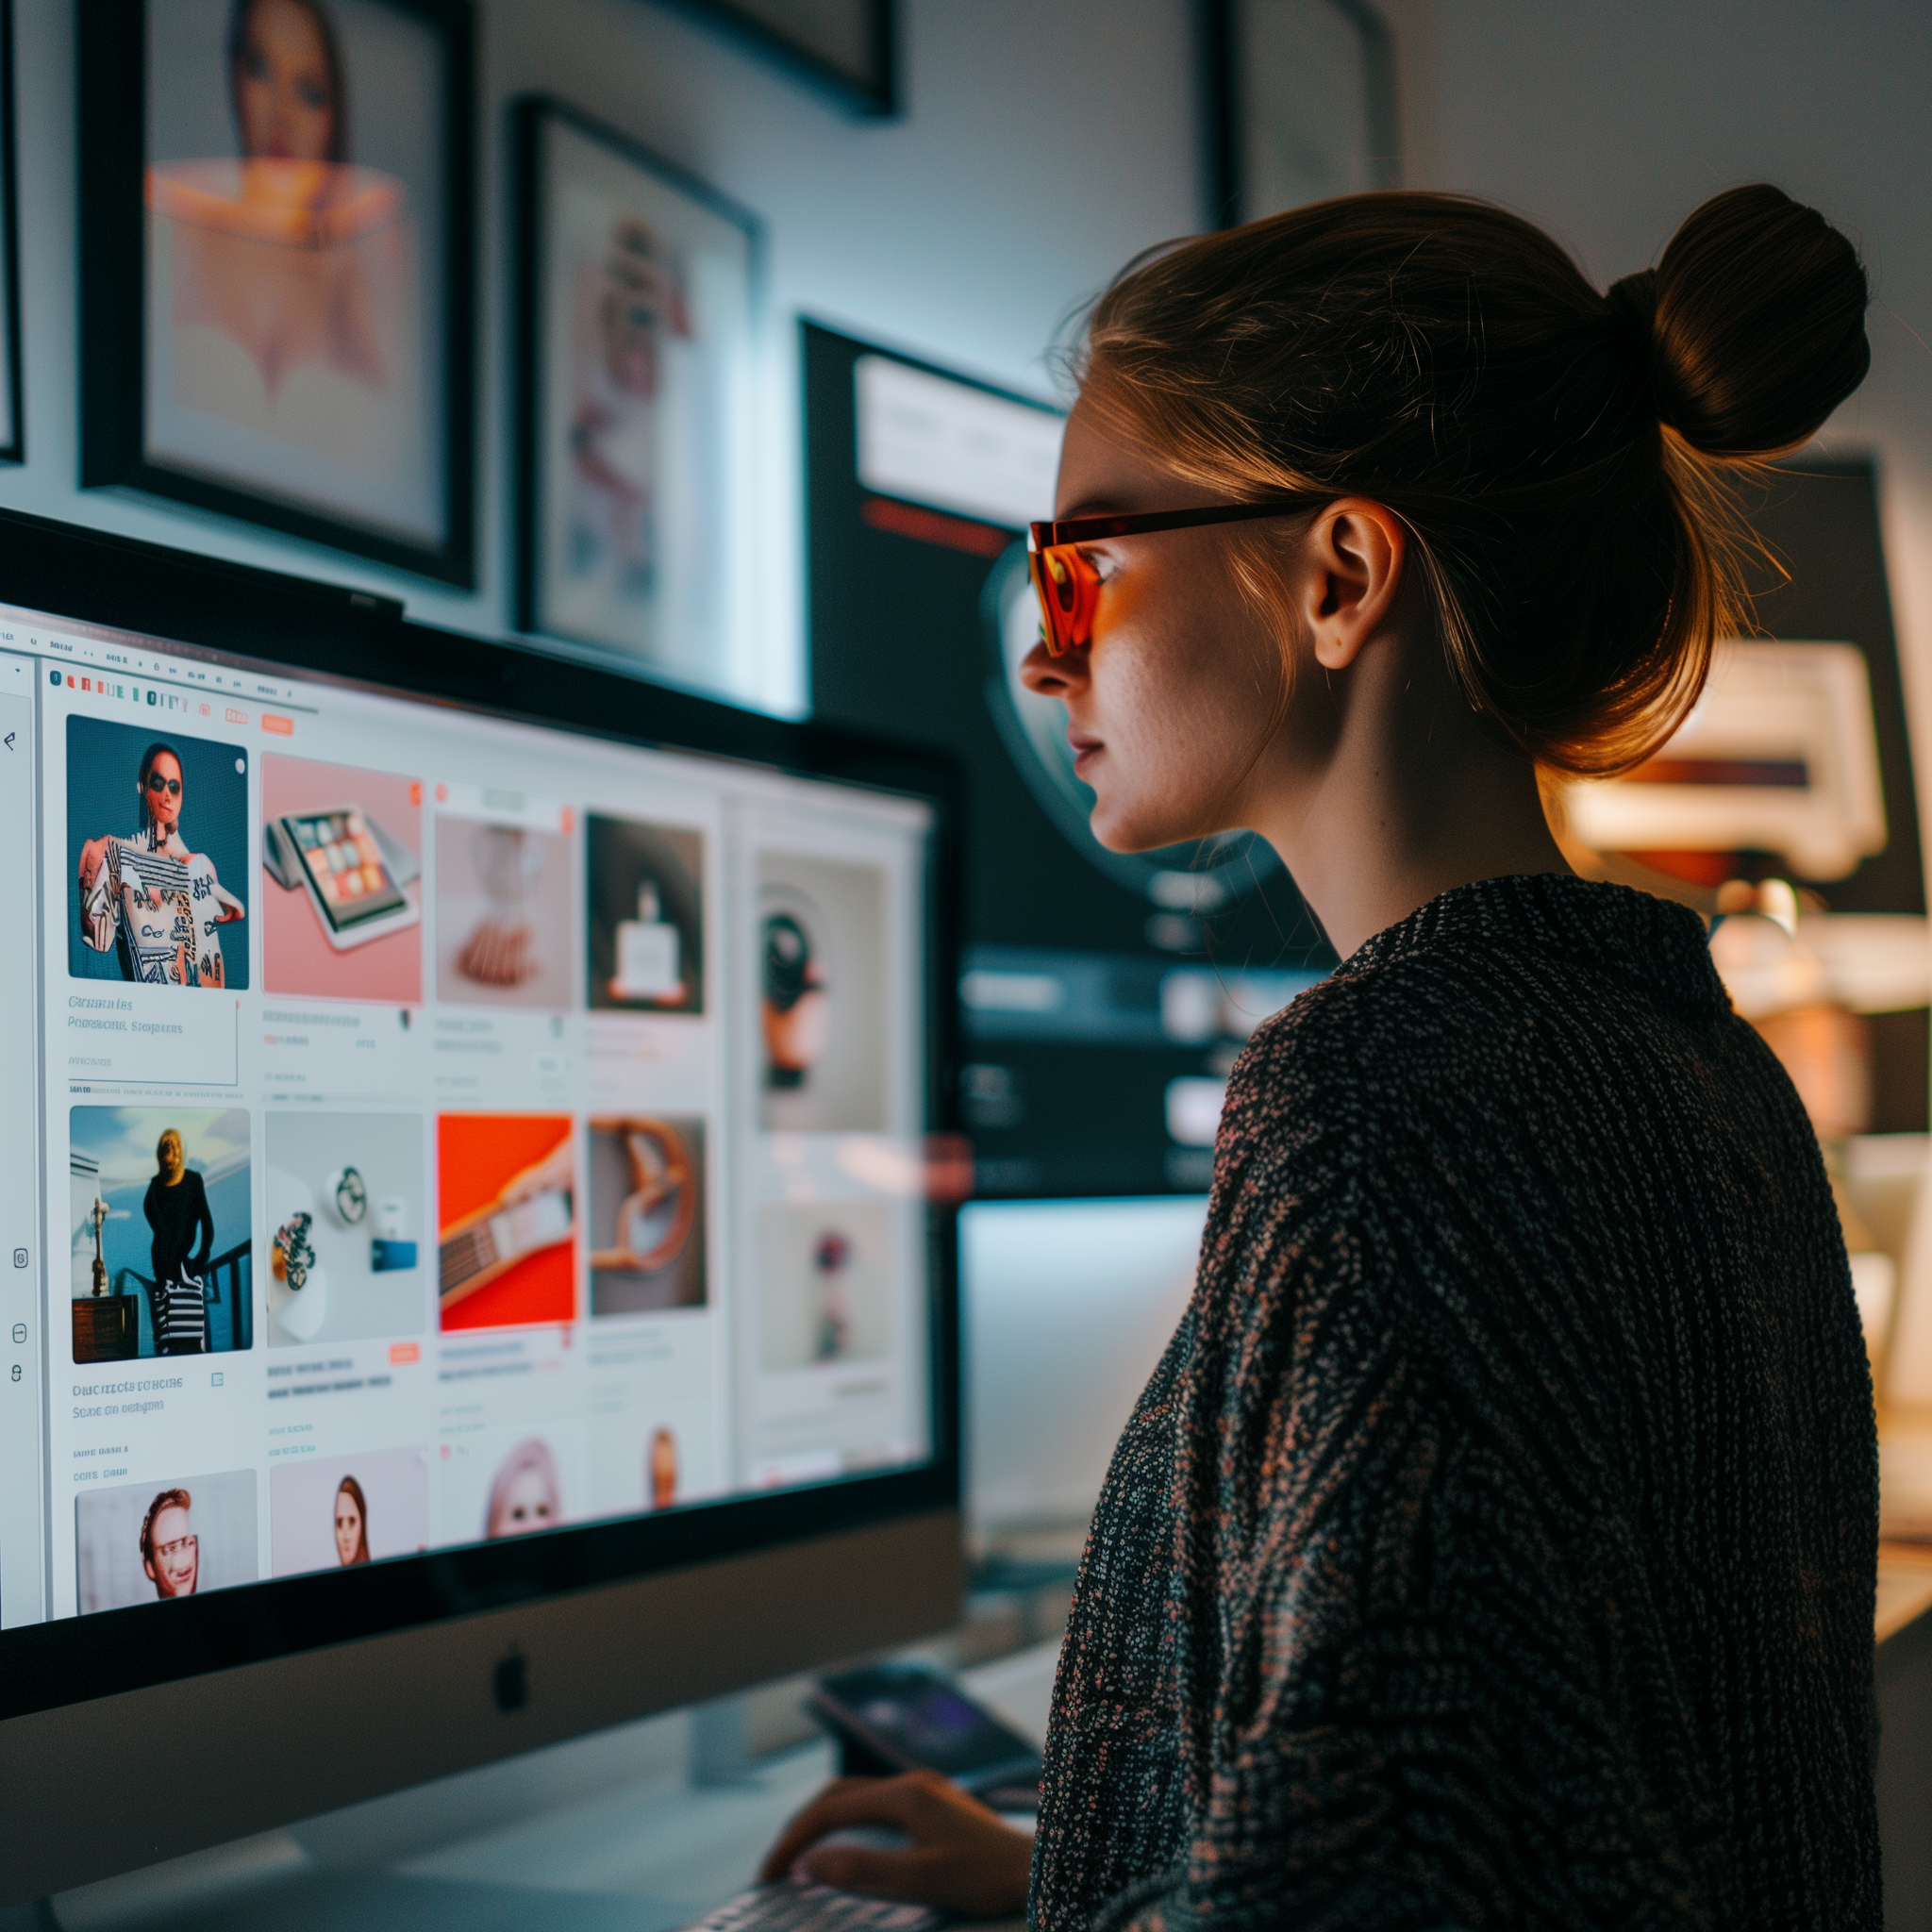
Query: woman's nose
x=1049 y=677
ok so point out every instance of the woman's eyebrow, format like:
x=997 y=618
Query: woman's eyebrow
x=1089 y=506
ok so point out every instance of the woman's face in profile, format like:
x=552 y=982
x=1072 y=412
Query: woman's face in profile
x=284 y=95
x=1165 y=703
x=525 y=1505
x=348 y=1526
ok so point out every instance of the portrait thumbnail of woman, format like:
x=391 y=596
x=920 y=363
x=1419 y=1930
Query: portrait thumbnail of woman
x=146 y=897
x=525 y=1494
x=352 y=1522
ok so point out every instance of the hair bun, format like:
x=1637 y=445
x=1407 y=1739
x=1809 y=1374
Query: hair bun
x=1755 y=323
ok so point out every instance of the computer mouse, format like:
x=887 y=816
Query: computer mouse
x=875 y=1837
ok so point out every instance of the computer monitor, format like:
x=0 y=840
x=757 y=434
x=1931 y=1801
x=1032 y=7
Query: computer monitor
x=474 y=1240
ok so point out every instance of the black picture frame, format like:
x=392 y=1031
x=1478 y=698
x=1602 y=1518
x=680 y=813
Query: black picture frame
x=532 y=116
x=110 y=59
x=1230 y=74
x=13 y=447
x=869 y=90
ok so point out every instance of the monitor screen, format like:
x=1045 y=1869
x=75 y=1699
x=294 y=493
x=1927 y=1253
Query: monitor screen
x=452 y=1130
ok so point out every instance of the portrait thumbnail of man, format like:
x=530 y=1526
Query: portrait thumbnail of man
x=170 y=1536
x=170 y=1549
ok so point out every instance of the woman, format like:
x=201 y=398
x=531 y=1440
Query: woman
x=351 y=1523
x=291 y=256
x=178 y=1212
x=148 y=899
x=1495 y=1543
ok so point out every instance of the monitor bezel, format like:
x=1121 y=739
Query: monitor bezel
x=196 y=605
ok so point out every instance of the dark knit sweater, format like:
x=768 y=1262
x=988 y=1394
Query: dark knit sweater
x=1495 y=1544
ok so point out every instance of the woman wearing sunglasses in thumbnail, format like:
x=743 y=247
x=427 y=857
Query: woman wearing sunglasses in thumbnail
x=1495 y=1543
x=150 y=900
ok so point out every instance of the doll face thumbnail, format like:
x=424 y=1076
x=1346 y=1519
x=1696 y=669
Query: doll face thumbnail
x=526 y=1495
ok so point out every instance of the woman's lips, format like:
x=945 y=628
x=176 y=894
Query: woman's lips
x=1084 y=748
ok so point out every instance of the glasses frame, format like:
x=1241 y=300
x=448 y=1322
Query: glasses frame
x=1068 y=586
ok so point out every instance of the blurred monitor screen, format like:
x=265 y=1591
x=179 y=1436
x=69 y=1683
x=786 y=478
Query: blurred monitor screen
x=454 y=1129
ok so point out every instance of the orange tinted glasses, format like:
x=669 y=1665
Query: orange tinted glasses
x=1069 y=586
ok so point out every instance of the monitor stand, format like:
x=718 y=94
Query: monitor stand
x=370 y=1900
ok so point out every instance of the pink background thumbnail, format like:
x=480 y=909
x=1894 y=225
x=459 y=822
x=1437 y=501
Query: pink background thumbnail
x=297 y=956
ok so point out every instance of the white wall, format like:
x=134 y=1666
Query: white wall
x=1042 y=144
x=1046 y=141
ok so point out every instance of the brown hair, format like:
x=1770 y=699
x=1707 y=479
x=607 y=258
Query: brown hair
x=1558 y=457
x=168 y=1499
x=350 y=1488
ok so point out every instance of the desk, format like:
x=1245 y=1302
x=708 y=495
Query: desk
x=642 y=1853
x=608 y=1835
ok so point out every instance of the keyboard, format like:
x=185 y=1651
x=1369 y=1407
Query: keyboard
x=794 y=1905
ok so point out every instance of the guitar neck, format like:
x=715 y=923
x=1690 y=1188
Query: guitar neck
x=477 y=1252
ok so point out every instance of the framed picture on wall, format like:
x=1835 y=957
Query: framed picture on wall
x=637 y=298
x=1303 y=98
x=844 y=47
x=275 y=265
x=13 y=418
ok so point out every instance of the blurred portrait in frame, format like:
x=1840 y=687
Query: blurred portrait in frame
x=638 y=299
x=301 y=275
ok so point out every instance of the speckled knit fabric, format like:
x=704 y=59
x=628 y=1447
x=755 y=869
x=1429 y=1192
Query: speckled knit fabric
x=1495 y=1544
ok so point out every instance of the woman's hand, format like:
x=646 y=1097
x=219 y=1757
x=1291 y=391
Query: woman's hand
x=962 y=1858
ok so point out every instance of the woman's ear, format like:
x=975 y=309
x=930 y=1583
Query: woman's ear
x=1354 y=555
